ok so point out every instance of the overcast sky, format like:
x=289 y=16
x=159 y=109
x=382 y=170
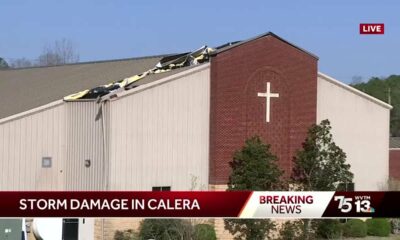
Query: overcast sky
x=111 y=29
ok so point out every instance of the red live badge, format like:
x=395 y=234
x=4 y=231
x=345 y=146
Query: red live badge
x=372 y=28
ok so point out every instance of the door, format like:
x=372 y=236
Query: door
x=70 y=229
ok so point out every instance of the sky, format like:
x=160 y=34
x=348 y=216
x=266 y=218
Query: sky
x=113 y=29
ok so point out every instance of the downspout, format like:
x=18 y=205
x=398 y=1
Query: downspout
x=105 y=162
x=105 y=146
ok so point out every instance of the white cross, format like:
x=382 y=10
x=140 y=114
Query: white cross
x=268 y=95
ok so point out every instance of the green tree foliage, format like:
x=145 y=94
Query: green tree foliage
x=255 y=168
x=321 y=164
x=385 y=89
x=204 y=232
x=165 y=229
x=3 y=64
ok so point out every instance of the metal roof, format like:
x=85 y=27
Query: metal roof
x=27 y=88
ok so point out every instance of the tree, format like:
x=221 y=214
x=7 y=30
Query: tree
x=320 y=166
x=21 y=63
x=386 y=89
x=3 y=64
x=319 y=158
x=254 y=168
x=165 y=229
x=61 y=52
x=204 y=232
x=356 y=80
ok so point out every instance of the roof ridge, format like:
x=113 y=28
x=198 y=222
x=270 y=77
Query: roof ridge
x=90 y=62
x=238 y=43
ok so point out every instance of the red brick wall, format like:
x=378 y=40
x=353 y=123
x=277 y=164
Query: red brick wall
x=237 y=75
x=394 y=164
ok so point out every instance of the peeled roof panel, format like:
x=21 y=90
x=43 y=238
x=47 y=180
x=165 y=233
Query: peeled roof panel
x=155 y=77
x=167 y=64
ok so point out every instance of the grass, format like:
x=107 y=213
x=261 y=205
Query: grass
x=391 y=237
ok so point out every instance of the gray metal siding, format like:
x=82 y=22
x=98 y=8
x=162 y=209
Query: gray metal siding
x=24 y=140
x=155 y=135
x=159 y=135
x=85 y=142
x=68 y=133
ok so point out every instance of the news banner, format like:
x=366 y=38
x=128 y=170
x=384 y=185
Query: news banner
x=207 y=204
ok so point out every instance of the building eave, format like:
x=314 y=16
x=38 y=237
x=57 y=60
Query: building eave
x=355 y=91
x=31 y=111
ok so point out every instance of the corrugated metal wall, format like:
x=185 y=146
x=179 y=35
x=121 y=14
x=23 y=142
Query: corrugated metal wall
x=68 y=133
x=155 y=135
x=24 y=140
x=85 y=142
x=159 y=136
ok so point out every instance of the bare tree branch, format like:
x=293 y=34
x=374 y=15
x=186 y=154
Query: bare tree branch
x=21 y=63
x=61 y=52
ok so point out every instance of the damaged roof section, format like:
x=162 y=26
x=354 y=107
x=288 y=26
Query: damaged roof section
x=166 y=64
x=28 y=88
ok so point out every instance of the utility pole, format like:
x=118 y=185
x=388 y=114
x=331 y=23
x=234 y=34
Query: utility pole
x=389 y=97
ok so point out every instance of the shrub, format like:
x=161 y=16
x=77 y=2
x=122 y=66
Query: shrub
x=165 y=229
x=125 y=235
x=204 y=232
x=355 y=228
x=329 y=229
x=378 y=227
x=291 y=230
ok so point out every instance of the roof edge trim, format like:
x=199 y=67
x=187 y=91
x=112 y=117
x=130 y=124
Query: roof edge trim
x=353 y=90
x=31 y=111
x=90 y=62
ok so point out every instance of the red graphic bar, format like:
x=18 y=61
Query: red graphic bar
x=195 y=204
x=364 y=204
x=122 y=204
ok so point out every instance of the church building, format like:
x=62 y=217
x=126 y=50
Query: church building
x=177 y=126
